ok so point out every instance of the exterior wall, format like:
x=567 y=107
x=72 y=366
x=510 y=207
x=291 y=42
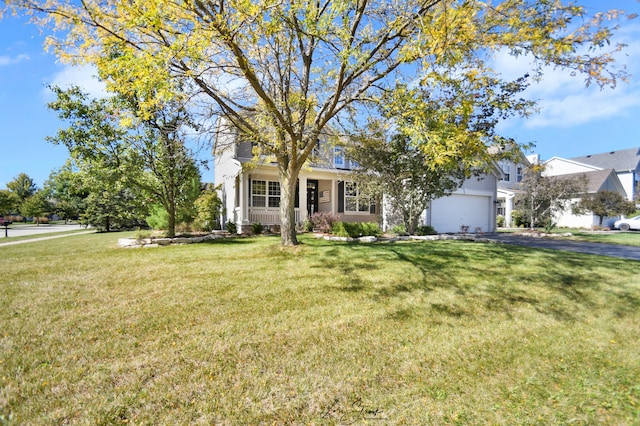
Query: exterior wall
x=627 y=179
x=559 y=166
x=570 y=220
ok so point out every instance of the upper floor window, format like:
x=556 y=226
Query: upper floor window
x=506 y=170
x=519 y=174
x=338 y=157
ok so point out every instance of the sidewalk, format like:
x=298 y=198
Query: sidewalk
x=51 y=237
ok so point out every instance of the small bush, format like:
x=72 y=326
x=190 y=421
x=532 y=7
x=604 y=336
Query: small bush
x=231 y=227
x=356 y=229
x=257 y=228
x=370 y=229
x=142 y=234
x=341 y=229
x=425 y=230
x=500 y=221
x=323 y=221
x=399 y=230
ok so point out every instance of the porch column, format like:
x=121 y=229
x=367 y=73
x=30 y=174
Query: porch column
x=303 y=198
x=244 y=199
x=508 y=210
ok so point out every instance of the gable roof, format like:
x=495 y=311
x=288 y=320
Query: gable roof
x=622 y=160
x=597 y=180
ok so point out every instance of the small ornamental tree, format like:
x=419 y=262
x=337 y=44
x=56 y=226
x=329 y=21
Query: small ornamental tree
x=546 y=197
x=606 y=203
x=208 y=207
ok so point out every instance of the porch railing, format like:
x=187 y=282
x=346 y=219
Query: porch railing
x=268 y=216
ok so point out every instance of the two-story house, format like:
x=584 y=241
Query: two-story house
x=250 y=191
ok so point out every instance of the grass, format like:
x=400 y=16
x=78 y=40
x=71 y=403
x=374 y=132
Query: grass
x=244 y=332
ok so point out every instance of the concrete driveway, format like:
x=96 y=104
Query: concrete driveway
x=560 y=243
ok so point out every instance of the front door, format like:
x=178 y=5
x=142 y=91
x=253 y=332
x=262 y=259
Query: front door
x=312 y=197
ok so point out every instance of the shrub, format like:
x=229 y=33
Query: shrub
x=231 y=227
x=425 y=230
x=370 y=229
x=142 y=234
x=340 y=229
x=356 y=229
x=323 y=221
x=158 y=217
x=257 y=228
x=399 y=230
x=519 y=219
x=500 y=221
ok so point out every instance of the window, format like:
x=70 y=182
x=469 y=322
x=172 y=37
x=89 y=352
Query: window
x=265 y=193
x=506 y=169
x=519 y=174
x=274 y=194
x=353 y=202
x=259 y=193
x=338 y=157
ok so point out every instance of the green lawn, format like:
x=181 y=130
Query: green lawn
x=244 y=332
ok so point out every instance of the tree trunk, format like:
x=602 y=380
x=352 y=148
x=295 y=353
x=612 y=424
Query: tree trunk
x=171 y=225
x=287 y=209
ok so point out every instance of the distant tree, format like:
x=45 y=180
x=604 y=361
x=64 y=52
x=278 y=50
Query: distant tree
x=22 y=187
x=545 y=197
x=36 y=206
x=606 y=203
x=400 y=170
x=66 y=192
x=8 y=201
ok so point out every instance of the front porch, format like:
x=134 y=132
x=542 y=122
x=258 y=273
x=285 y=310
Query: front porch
x=257 y=199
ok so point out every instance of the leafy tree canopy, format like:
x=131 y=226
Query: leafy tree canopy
x=606 y=203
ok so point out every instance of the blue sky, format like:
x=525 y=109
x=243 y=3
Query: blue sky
x=573 y=120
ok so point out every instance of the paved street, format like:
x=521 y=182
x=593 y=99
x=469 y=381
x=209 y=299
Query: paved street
x=559 y=243
x=26 y=230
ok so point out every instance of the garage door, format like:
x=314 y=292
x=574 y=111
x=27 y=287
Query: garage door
x=449 y=213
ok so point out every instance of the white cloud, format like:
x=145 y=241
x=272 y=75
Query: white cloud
x=84 y=77
x=8 y=60
x=565 y=101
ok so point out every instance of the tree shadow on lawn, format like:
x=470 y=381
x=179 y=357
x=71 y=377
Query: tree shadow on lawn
x=497 y=278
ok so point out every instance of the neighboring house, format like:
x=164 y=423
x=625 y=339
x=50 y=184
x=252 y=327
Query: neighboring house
x=626 y=164
x=250 y=191
x=508 y=186
x=597 y=180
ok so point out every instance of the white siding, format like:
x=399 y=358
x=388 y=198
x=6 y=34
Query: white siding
x=560 y=166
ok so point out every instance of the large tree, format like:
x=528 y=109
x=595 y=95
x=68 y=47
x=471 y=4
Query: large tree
x=280 y=71
x=149 y=148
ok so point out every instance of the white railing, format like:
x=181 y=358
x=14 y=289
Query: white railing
x=268 y=216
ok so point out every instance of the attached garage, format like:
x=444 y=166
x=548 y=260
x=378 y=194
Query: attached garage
x=448 y=214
